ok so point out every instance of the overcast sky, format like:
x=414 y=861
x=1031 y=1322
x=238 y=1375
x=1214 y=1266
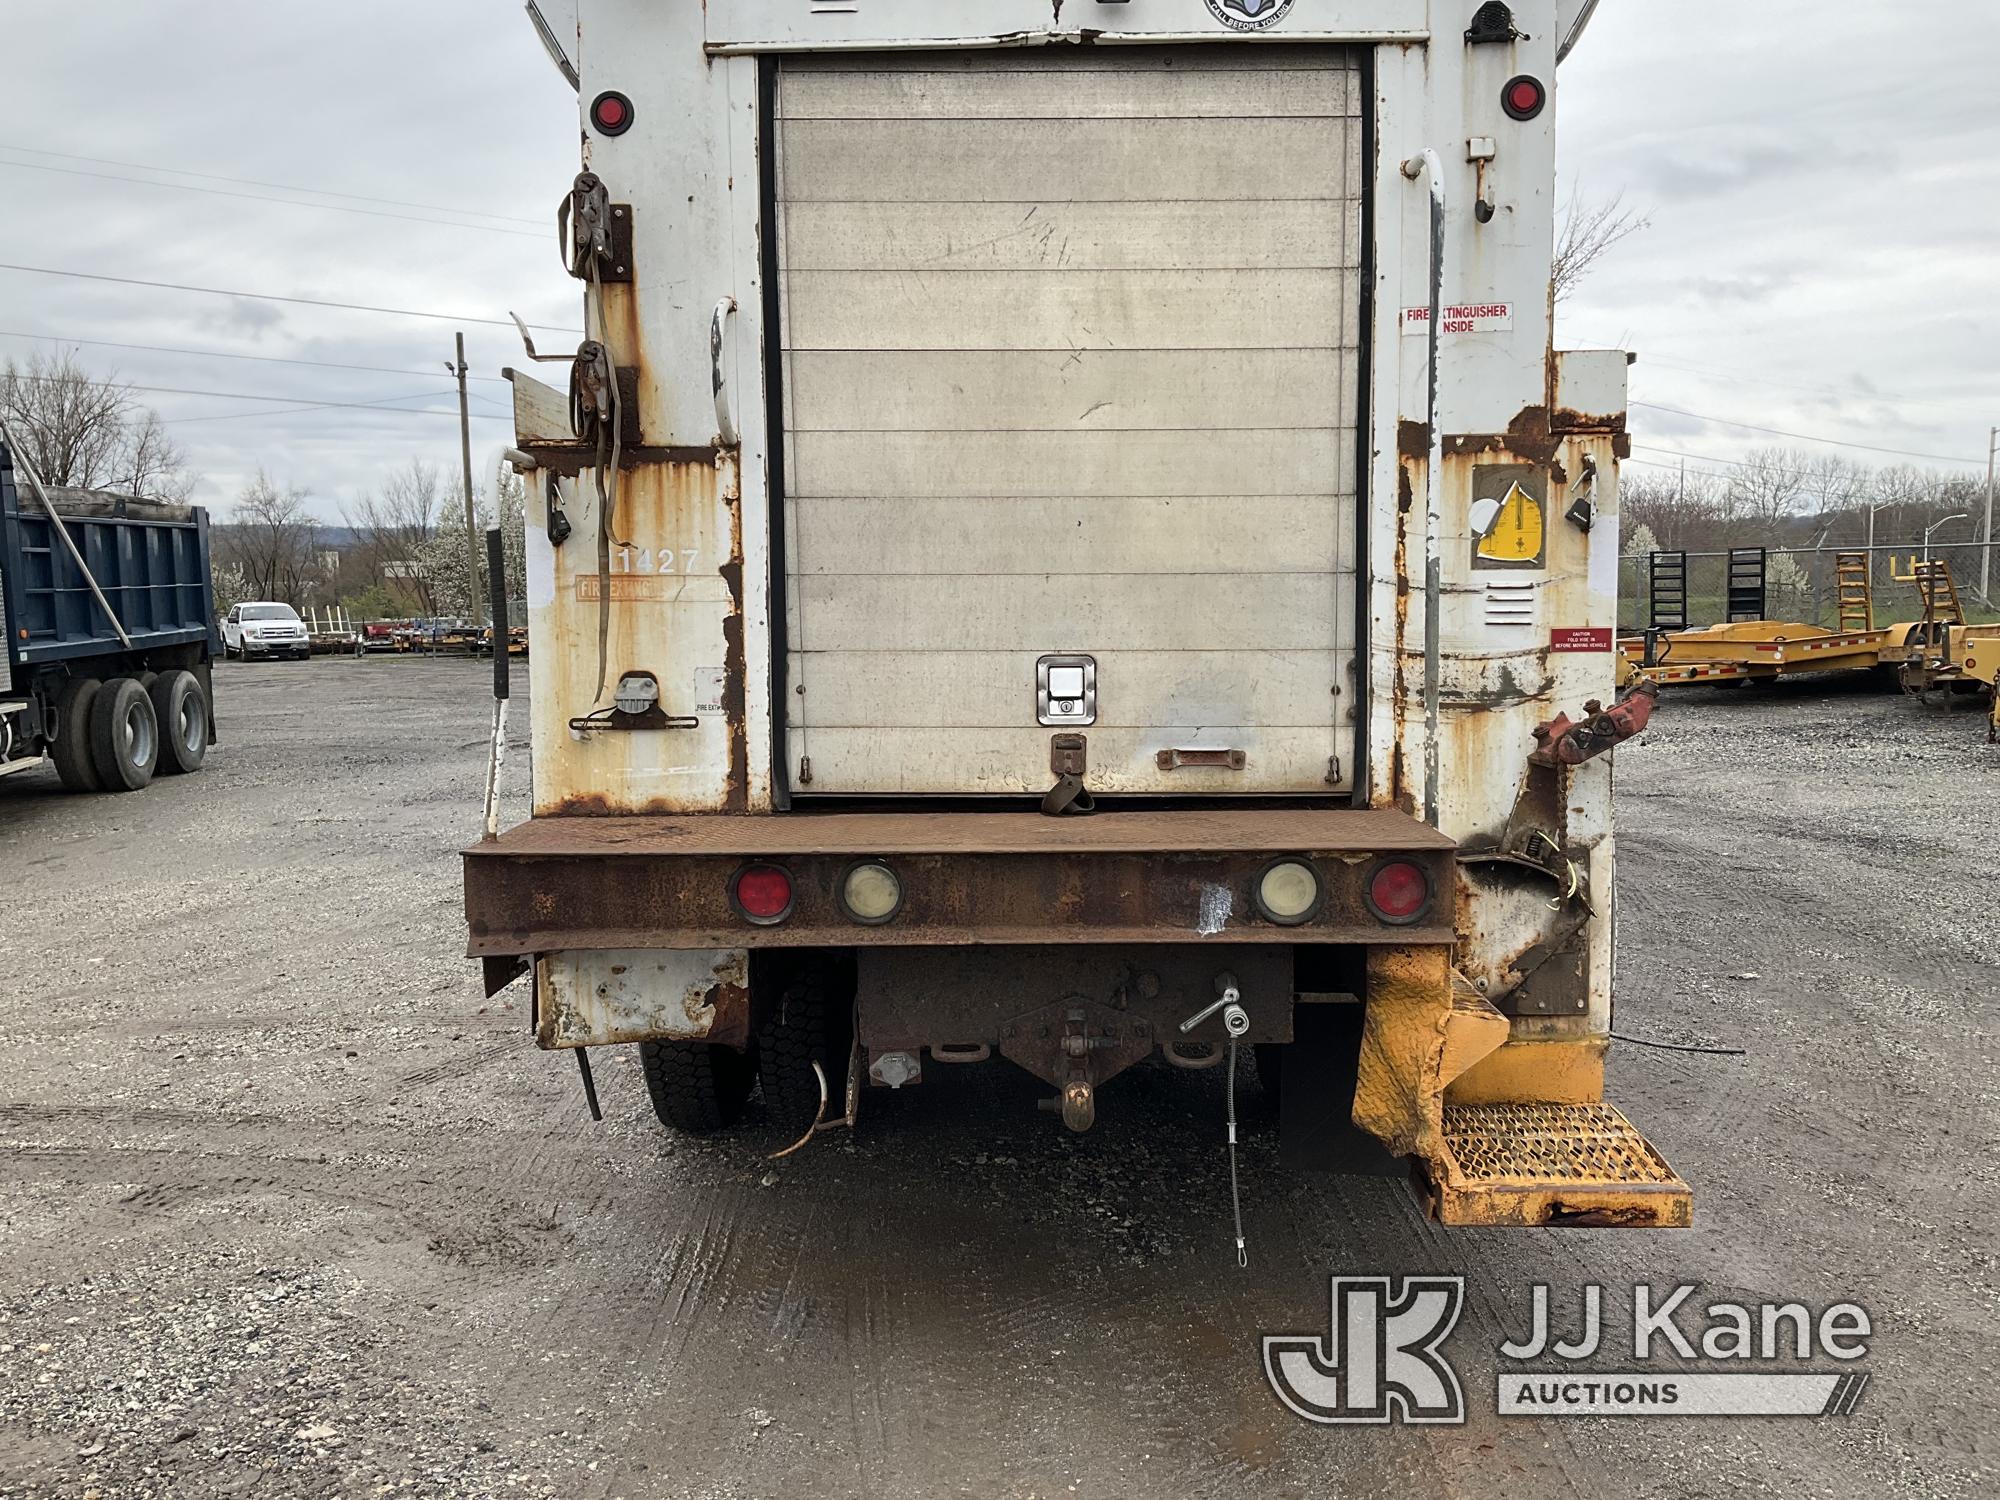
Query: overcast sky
x=1822 y=179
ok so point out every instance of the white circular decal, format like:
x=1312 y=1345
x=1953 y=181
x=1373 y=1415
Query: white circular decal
x=1249 y=15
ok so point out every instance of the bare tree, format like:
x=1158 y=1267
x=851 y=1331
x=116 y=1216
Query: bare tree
x=404 y=510
x=442 y=557
x=394 y=527
x=90 y=434
x=72 y=426
x=271 y=537
x=1768 y=487
x=154 y=466
x=1589 y=231
x=1682 y=511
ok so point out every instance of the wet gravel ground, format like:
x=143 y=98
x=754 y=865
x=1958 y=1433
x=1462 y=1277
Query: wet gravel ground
x=288 y=1208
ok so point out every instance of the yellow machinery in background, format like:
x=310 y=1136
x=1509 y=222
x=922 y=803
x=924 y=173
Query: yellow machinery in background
x=1977 y=652
x=1937 y=650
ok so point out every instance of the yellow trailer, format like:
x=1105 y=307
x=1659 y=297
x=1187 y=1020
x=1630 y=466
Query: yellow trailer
x=1747 y=650
x=1947 y=655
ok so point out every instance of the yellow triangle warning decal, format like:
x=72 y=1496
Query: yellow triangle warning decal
x=1517 y=535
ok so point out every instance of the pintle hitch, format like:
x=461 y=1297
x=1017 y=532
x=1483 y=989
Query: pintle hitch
x=1564 y=741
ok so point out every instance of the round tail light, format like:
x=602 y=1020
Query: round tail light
x=611 y=113
x=870 y=893
x=1399 y=892
x=762 y=894
x=1524 y=98
x=1288 y=892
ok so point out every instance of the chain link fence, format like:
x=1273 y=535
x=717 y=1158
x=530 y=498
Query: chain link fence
x=1800 y=584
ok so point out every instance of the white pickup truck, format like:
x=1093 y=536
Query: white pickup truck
x=265 y=629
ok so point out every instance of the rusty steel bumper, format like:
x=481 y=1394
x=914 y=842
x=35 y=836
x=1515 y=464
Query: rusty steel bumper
x=577 y=883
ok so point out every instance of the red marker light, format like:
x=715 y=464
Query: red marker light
x=611 y=113
x=1399 y=892
x=1524 y=98
x=762 y=893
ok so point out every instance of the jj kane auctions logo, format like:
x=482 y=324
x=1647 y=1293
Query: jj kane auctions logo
x=1249 y=15
x=1382 y=1358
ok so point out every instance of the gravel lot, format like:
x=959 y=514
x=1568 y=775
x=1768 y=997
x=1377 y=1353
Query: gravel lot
x=288 y=1208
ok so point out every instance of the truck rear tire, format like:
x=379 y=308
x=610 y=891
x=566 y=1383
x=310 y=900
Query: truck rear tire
x=697 y=1088
x=812 y=1022
x=71 y=750
x=124 y=736
x=182 y=710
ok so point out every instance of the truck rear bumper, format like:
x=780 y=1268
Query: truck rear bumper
x=1184 y=876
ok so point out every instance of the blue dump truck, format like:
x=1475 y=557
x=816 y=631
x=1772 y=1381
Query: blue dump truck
x=110 y=619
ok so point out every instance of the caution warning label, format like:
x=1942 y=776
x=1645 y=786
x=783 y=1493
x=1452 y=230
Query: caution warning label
x=1580 y=638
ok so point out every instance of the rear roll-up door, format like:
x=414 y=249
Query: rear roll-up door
x=1070 y=368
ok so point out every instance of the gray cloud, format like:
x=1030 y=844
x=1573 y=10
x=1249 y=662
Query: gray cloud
x=1825 y=203
x=1823 y=187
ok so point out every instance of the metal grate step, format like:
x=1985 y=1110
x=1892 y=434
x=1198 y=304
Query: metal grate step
x=1560 y=1165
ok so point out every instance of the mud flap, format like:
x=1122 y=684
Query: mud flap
x=1425 y=1027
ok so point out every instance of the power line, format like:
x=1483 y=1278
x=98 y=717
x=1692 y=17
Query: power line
x=1654 y=463
x=1805 y=437
x=286 y=403
x=176 y=390
x=283 y=187
x=1707 y=458
x=335 y=208
x=1734 y=463
x=211 y=291
x=286 y=411
x=271 y=359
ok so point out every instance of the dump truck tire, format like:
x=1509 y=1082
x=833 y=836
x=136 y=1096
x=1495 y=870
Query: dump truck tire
x=697 y=1088
x=71 y=750
x=124 y=736
x=812 y=1022
x=182 y=710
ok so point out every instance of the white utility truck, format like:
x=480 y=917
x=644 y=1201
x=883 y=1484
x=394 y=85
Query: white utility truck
x=1067 y=542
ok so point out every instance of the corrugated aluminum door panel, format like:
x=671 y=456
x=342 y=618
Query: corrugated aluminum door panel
x=1070 y=368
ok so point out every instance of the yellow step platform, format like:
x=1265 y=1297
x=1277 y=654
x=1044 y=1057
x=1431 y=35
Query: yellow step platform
x=1581 y=1166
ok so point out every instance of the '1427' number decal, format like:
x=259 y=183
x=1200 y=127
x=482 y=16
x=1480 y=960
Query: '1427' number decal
x=646 y=560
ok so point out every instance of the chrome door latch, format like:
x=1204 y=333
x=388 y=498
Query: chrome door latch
x=1066 y=690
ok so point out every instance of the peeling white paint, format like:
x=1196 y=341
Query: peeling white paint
x=597 y=999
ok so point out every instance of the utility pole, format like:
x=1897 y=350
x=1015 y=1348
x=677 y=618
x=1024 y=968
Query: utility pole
x=458 y=368
x=1986 y=553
